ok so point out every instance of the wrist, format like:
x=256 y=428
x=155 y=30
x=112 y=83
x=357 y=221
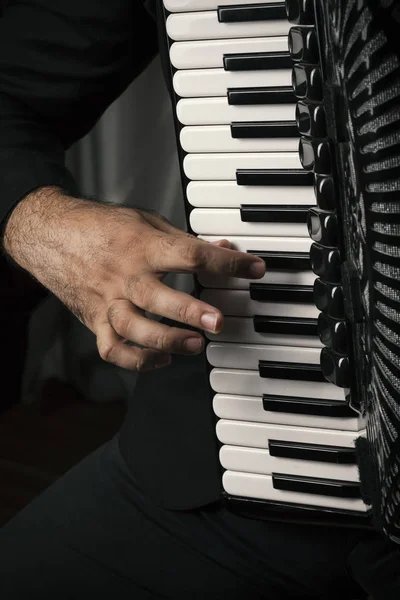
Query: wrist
x=32 y=223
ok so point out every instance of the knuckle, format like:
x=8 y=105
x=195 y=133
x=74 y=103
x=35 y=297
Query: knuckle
x=149 y=298
x=114 y=314
x=233 y=264
x=158 y=341
x=121 y=319
x=134 y=287
x=183 y=312
x=164 y=341
x=195 y=257
x=106 y=351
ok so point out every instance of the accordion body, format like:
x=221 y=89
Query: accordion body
x=288 y=130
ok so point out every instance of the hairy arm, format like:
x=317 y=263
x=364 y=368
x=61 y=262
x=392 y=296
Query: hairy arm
x=107 y=264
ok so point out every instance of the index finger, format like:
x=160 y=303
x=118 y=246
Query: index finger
x=184 y=254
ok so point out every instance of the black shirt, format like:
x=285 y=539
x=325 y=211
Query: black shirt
x=62 y=63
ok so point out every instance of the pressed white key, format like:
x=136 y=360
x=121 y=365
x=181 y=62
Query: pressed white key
x=241 y=329
x=246 y=356
x=209 y=54
x=243 y=244
x=263 y=244
x=227 y=221
x=250 y=408
x=218 y=138
x=217 y=111
x=193 y=83
x=257 y=435
x=210 y=280
x=249 y=383
x=237 y=303
x=250 y=485
x=229 y=194
x=205 y=26
x=193 y=5
x=224 y=166
x=257 y=460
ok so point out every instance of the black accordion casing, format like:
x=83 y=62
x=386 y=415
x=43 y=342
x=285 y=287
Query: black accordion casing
x=346 y=78
x=359 y=51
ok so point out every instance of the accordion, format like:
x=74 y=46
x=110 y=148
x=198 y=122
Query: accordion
x=288 y=130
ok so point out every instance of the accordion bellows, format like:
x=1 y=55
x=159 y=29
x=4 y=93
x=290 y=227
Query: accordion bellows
x=363 y=71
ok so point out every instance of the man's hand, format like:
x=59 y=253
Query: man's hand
x=106 y=264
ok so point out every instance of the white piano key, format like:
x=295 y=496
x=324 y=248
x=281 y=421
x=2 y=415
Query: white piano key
x=218 y=138
x=227 y=194
x=195 y=5
x=243 y=244
x=250 y=408
x=217 y=111
x=227 y=221
x=257 y=435
x=246 y=356
x=249 y=383
x=205 y=26
x=251 y=485
x=258 y=460
x=273 y=277
x=210 y=280
x=241 y=329
x=215 y=82
x=224 y=166
x=209 y=54
x=263 y=244
x=237 y=303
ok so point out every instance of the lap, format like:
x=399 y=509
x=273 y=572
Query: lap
x=93 y=534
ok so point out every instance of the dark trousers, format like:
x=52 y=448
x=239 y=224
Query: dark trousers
x=93 y=535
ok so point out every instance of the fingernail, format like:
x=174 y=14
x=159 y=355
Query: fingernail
x=162 y=362
x=209 y=321
x=257 y=269
x=193 y=345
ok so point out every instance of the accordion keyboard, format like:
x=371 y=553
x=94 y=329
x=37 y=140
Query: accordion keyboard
x=287 y=435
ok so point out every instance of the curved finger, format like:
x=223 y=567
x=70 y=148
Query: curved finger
x=113 y=350
x=127 y=321
x=155 y=297
x=190 y=255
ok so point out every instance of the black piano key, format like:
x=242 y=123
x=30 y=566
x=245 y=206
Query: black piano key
x=284 y=261
x=315 y=156
x=307 y=82
x=257 y=61
x=293 y=371
x=264 y=129
x=330 y=454
x=307 y=406
x=263 y=95
x=251 y=12
x=333 y=333
x=328 y=298
x=300 y=12
x=311 y=485
x=273 y=177
x=326 y=262
x=271 y=292
x=323 y=227
x=311 y=120
x=285 y=325
x=257 y=213
x=303 y=45
x=336 y=368
x=325 y=192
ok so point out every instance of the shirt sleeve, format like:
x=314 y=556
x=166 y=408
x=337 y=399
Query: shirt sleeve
x=61 y=65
